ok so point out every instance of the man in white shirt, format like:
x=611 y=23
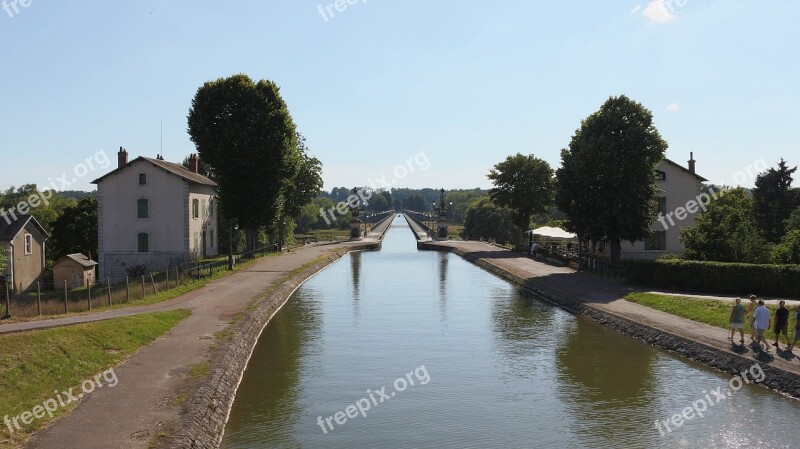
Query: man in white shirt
x=761 y=322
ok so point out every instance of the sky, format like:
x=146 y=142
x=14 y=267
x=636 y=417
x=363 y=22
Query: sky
x=406 y=93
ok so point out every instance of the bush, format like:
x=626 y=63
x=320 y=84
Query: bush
x=717 y=277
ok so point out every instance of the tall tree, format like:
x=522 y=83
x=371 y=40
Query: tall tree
x=523 y=184
x=726 y=231
x=305 y=182
x=606 y=183
x=774 y=200
x=244 y=131
x=485 y=219
x=75 y=231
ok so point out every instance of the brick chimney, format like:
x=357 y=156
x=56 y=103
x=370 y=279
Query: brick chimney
x=193 y=162
x=122 y=157
x=691 y=162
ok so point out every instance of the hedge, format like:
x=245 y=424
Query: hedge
x=715 y=277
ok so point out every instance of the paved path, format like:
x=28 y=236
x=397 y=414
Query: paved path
x=606 y=295
x=142 y=403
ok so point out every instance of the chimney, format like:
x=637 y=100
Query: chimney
x=193 y=162
x=122 y=157
x=691 y=163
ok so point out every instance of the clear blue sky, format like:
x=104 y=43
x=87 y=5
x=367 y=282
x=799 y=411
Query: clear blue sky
x=466 y=82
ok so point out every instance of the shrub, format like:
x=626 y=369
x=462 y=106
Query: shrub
x=717 y=277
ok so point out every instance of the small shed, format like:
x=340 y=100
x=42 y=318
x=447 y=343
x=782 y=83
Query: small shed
x=77 y=269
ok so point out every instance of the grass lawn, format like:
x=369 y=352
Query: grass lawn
x=709 y=311
x=36 y=363
x=330 y=234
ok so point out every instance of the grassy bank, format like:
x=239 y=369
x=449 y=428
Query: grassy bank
x=709 y=311
x=34 y=364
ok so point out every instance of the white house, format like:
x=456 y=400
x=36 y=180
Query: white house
x=679 y=198
x=154 y=215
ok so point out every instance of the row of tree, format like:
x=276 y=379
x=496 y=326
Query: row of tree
x=606 y=189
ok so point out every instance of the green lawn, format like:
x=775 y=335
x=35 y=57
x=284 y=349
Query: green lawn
x=36 y=363
x=709 y=311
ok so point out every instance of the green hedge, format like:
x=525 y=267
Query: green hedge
x=715 y=277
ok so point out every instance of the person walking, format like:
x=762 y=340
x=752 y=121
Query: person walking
x=782 y=324
x=737 y=320
x=751 y=308
x=796 y=328
x=761 y=321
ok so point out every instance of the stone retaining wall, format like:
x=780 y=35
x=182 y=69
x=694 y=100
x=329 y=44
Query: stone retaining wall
x=729 y=362
x=210 y=407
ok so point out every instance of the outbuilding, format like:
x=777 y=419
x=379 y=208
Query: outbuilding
x=77 y=269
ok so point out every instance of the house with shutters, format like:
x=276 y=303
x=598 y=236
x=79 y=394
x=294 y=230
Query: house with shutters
x=154 y=215
x=22 y=252
x=678 y=187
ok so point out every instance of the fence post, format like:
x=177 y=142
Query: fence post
x=39 y=298
x=155 y=291
x=65 y=297
x=177 y=277
x=89 y=295
x=108 y=289
x=167 y=273
x=144 y=293
x=8 y=301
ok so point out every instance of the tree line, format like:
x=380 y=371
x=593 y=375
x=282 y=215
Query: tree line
x=606 y=189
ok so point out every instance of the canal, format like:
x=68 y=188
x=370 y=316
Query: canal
x=469 y=360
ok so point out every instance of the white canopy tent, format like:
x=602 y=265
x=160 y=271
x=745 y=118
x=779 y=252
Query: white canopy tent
x=553 y=233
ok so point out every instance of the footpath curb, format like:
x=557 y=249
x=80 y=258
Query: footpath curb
x=211 y=405
x=780 y=380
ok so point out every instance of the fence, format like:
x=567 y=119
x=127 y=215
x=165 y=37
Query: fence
x=51 y=299
x=603 y=267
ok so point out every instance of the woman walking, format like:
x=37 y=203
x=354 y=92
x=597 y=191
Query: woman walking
x=751 y=308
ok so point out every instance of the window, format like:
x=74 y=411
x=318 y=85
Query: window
x=196 y=241
x=662 y=205
x=211 y=241
x=28 y=244
x=143 y=208
x=195 y=208
x=661 y=176
x=143 y=242
x=656 y=242
x=142 y=179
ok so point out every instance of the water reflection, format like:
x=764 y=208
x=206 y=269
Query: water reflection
x=443 y=258
x=276 y=376
x=606 y=382
x=355 y=272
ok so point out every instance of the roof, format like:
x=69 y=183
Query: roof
x=85 y=261
x=8 y=231
x=556 y=233
x=700 y=178
x=176 y=169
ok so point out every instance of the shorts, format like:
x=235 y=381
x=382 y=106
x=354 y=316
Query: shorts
x=737 y=325
x=760 y=332
x=784 y=329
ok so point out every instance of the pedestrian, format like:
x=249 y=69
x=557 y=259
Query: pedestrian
x=751 y=308
x=737 y=320
x=781 y=324
x=762 y=322
x=796 y=328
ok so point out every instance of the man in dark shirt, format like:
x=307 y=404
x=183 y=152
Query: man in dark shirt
x=782 y=324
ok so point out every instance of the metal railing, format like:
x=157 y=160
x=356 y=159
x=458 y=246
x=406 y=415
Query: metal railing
x=602 y=267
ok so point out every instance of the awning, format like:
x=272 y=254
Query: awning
x=554 y=233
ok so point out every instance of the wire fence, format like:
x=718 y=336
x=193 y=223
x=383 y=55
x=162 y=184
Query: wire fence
x=53 y=299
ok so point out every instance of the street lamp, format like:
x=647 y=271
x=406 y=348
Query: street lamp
x=232 y=225
x=280 y=240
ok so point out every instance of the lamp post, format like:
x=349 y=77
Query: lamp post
x=232 y=225
x=280 y=239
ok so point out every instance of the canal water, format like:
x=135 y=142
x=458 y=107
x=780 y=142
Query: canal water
x=470 y=361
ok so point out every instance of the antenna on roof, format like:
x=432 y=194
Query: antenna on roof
x=161 y=146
